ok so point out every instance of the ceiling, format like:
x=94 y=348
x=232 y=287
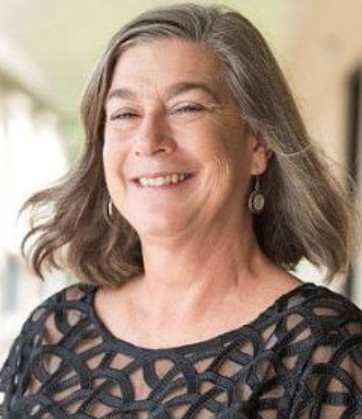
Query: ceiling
x=60 y=40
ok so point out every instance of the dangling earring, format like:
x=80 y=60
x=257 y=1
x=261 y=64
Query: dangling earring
x=256 y=198
x=108 y=212
x=110 y=209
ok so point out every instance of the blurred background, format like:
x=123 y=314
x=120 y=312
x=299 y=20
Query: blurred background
x=47 y=50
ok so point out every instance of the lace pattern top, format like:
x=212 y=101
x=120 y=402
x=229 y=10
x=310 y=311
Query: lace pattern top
x=300 y=358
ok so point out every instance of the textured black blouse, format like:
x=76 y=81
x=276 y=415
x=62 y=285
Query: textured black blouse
x=301 y=358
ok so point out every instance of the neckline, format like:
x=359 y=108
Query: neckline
x=191 y=347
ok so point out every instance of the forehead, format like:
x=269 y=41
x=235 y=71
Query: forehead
x=166 y=61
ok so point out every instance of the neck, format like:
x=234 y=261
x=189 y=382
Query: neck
x=200 y=268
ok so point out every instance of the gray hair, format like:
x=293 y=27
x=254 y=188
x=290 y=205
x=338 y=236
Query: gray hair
x=308 y=214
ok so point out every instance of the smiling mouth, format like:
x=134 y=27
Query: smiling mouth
x=165 y=180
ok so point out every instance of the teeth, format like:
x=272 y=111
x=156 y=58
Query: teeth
x=162 y=180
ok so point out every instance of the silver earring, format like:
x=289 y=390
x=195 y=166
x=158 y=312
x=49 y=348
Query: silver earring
x=256 y=198
x=110 y=209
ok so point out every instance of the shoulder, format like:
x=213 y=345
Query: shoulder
x=58 y=316
x=72 y=295
x=318 y=326
x=313 y=322
x=321 y=305
x=316 y=313
x=330 y=313
x=329 y=346
x=74 y=292
x=60 y=310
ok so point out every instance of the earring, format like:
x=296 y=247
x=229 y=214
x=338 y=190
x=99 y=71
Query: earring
x=256 y=198
x=110 y=209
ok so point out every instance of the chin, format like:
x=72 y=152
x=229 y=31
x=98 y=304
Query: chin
x=159 y=225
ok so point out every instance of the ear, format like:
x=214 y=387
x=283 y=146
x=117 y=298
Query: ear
x=260 y=156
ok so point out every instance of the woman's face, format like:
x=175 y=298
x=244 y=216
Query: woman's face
x=177 y=153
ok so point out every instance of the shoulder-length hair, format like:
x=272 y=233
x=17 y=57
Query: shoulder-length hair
x=308 y=214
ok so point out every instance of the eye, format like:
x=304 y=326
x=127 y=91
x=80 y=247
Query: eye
x=187 y=108
x=123 y=116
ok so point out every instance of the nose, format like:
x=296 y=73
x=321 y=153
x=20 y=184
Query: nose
x=153 y=137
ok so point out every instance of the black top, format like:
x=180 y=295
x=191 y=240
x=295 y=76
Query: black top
x=301 y=358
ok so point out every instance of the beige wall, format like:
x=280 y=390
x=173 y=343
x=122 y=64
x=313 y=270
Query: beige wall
x=324 y=48
x=321 y=51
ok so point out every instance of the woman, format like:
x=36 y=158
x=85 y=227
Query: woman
x=197 y=192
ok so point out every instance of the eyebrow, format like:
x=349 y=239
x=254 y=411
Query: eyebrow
x=172 y=91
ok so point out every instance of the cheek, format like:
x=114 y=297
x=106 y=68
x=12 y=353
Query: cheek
x=113 y=161
x=221 y=166
x=231 y=165
x=226 y=150
x=108 y=160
